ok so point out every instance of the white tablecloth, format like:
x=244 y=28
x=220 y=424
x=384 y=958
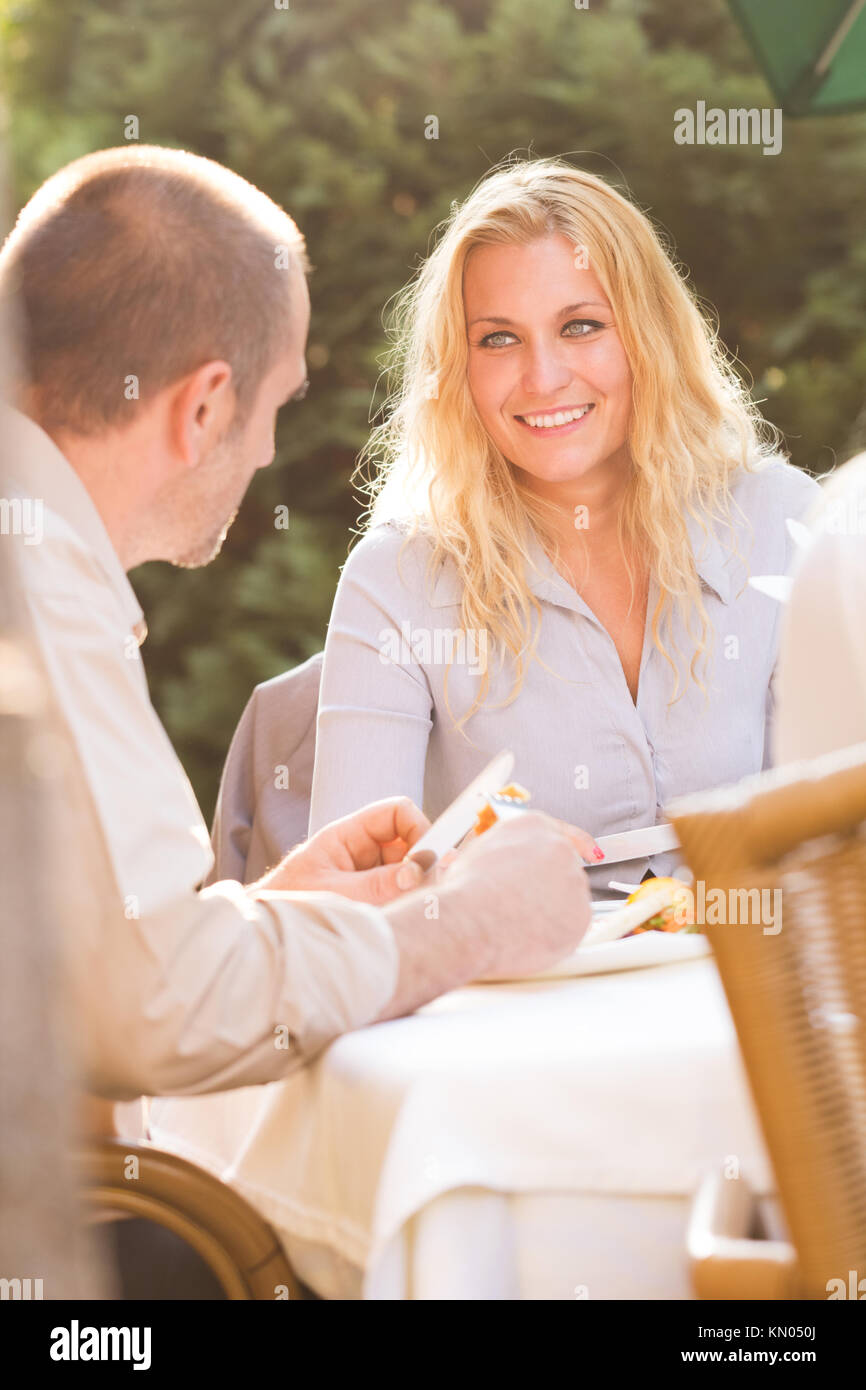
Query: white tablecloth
x=524 y=1140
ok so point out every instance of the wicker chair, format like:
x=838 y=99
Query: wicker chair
x=798 y=1000
x=238 y=1246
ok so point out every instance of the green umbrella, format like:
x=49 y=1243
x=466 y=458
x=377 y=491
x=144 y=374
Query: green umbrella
x=812 y=51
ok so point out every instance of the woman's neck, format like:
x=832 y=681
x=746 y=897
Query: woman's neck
x=586 y=511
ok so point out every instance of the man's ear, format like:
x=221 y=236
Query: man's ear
x=201 y=408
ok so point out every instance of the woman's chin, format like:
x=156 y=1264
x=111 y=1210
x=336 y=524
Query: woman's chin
x=553 y=470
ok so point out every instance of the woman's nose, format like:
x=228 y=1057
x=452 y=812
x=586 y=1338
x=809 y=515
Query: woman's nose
x=545 y=371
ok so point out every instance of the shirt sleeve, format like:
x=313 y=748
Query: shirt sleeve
x=176 y=989
x=375 y=705
x=232 y=826
x=263 y=807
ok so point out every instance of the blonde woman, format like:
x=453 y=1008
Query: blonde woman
x=572 y=489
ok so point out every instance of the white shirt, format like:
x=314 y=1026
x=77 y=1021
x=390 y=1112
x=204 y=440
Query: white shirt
x=587 y=752
x=822 y=659
x=176 y=990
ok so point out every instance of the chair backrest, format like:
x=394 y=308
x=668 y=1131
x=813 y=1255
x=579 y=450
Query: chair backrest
x=263 y=807
x=786 y=849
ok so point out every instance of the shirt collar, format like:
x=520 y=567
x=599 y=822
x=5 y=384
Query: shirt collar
x=41 y=471
x=548 y=584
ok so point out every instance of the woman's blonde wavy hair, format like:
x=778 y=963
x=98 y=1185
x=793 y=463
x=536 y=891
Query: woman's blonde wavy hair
x=435 y=468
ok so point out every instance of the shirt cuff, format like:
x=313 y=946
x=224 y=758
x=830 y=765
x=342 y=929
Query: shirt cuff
x=342 y=964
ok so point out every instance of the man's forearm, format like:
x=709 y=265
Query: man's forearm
x=441 y=944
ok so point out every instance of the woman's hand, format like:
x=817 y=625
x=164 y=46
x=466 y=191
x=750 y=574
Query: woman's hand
x=359 y=856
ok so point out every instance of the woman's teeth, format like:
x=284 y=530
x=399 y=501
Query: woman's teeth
x=562 y=417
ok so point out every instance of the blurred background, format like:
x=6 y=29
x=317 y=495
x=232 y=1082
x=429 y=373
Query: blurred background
x=325 y=107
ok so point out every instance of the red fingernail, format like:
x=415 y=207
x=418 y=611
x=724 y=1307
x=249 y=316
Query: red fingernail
x=598 y=853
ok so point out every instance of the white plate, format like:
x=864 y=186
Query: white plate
x=629 y=953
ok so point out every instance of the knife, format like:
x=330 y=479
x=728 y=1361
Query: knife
x=638 y=844
x=457 y=820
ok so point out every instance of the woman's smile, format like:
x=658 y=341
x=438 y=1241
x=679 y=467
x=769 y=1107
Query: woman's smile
x=557 y=421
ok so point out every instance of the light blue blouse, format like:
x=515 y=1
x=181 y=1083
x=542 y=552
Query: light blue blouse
x=587 y=752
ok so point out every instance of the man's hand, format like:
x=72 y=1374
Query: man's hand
x=514 y=902
x=524 y=886
x=359 y=856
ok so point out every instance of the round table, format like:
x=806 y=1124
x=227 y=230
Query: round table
x=540 y=1139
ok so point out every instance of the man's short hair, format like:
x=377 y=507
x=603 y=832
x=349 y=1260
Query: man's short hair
x=144 y=263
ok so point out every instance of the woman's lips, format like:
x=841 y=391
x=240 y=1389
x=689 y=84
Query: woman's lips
x=554 y=431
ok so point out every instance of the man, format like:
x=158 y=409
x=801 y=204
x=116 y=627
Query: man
x=163 y=309
x=822 y=662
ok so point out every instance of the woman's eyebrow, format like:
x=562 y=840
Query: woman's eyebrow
x=569 y=309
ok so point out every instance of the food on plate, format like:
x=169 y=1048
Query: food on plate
x=487 y=815
x=678 y=914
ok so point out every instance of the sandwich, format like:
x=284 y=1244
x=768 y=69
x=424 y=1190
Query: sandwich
x=677 y=914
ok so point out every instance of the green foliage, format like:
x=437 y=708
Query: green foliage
x=217 y=631
x=324 y=106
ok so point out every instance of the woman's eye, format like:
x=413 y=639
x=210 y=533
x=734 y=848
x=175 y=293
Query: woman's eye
x=576 y=328
x=490 y=339
x=586 y=326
